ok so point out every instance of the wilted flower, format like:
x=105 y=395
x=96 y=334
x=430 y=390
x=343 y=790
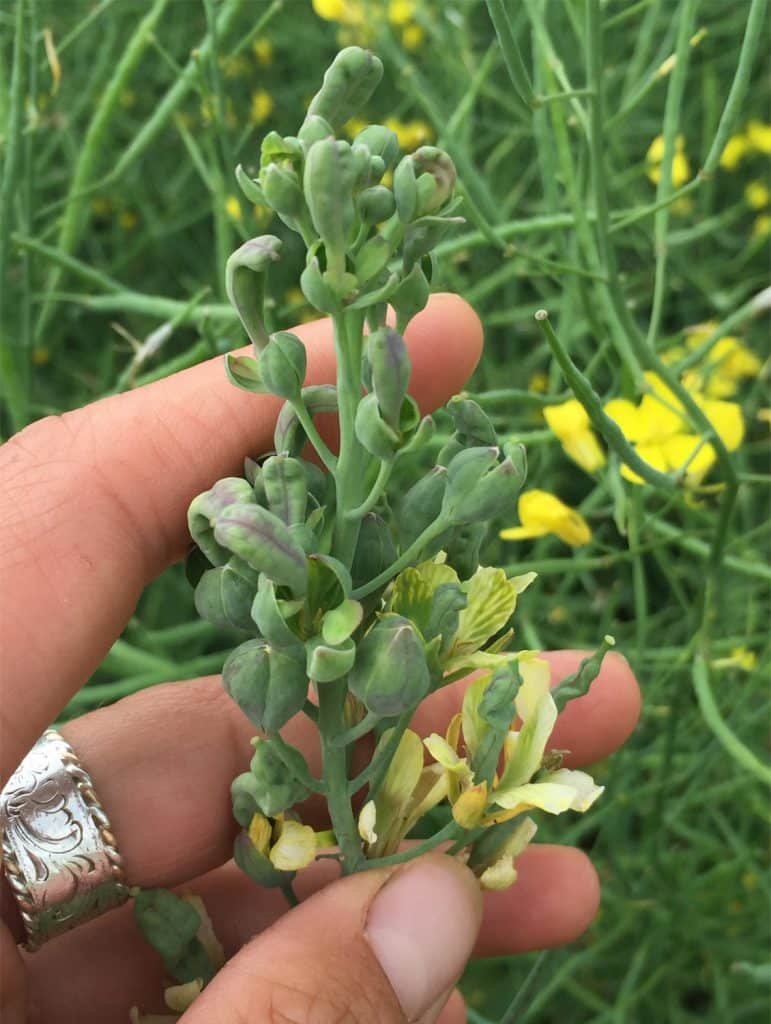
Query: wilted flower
x=570 y=422
x=542 y=513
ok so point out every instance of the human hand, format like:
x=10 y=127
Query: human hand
x=93 y=507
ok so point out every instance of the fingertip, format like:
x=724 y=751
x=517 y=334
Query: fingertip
x=445 y=342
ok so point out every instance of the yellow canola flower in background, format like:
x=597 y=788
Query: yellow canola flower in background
x=762 y=226
x=410 y=134
x=400 y=12
x=734 y=152
x=542 y=513
x=345 y=12
x=757 y=195
x=413 y=37
x=262 y=48
x=728 y=362
x=662 y=437
x=262 y=106
x=233 y=208
x=759 y=137
x=681 y=168
x=570 y=422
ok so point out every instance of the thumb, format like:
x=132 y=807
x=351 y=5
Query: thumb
x=382 y=946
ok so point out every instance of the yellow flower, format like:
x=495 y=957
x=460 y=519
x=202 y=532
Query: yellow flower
x=655 y=152
x=413 y=37
x=41 y=356
x=570 y=422
x=128 y=220
x=759 y=137
x=400 y=11
x=762 y=226
x=538 y=383
x=681 y=169
x=757 y=195
x=410 y=134
x=262 y=48
x=346 y=12
x=101 y=206
x=541 y=513
x=355 y=125
x=288 y=844
x=662 y=438
x=726 y=364
x=233 y=208
x=235 y=67
x=740 y=657
x=262 y=106
x=733 y=153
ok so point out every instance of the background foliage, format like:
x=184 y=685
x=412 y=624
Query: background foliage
x=120 y=124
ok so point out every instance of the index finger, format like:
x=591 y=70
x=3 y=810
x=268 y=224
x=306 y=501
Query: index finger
x=94 y=504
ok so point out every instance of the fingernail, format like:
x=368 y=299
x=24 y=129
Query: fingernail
x=422 y=926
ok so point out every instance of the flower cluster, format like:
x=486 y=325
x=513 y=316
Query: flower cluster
x=357 y=19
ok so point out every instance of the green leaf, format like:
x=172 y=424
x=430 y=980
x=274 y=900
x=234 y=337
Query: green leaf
x=338 y=624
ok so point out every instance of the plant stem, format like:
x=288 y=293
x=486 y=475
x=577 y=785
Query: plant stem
x=511 y=55
x=437 y=527
x=450 y=831
x=315 y=438
x=374 y=496
x=334 y=759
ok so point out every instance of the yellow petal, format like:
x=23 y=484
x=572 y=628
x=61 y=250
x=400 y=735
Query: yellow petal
x=626 y=416
x=726 y=419
x=541 y=511
x=654 y=455
x=686 y=451
x=445 y=755
x=260 y=830
x=366 y=822
x=757 y=195
x=734 y=150
x=468 y=810
x=180 y=997
x=585 y=792
x=536 y=707
x=522 y=532
x=584 y=449
x=566 y=419
x=547 y=796
x=295 y=848
x=759 y=136
x=499 y=876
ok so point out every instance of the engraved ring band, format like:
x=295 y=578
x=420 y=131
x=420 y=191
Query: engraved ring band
x=59 y=852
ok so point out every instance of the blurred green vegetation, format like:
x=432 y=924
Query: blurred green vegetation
x=120 y=124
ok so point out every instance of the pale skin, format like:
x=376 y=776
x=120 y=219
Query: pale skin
x=92 y=508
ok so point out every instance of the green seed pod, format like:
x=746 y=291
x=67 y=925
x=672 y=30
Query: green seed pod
x=286 y=487
x=247 y=292
x=348 y=83
x=497 y=704
x=281 y=188
x=436 y=175
x=257 y=866
x=421 y=505
x=269 y=617
x=372 y=430
x=380 y=141
x=326 y=662
x=376 y=204
x=314 y=129
x=412 y=294
x=264 y=543
x=472 y=425
x=391 y=370
x=328 y=181
x=269 y=685
x=390 y=674
x=282 y=365
x=205 y=508
x=276 y=788
x=225 y=599
x=405 y=190
x=375 y=550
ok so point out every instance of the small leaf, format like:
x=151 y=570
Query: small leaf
x=338 y=624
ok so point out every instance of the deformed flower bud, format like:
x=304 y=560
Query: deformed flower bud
x=391 y=367
x=375 y=204
x=348 y=83
x=380 y=141
x=422 y=504
x=225 y=599
x=328 y=181
x=264 y=543
x=282 y=364
x=478 y=486
x=244 y=291
x=274 y=789
x=286 y=487
x=435 y=173
x=269 y=685
x=390 y=673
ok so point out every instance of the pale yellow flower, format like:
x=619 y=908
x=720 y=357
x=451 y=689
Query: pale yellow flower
x=413 y=37
x=262 y=48
x=759 y=136
x=734 y=151
x=570 y=422
x=538 y=383
x=542 y=513
x=233 y=208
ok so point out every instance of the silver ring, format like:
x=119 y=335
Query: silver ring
x=59 y=852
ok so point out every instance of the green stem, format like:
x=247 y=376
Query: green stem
x=511 y=55
x=450 y=831
x=315 y=438
x=376 y=770
x=437 y=527
x=349 y=736
x=378 y=489
x=334 y=759
x=348 y=471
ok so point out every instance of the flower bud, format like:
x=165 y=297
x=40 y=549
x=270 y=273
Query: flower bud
x=380 y=141
x=463 y=547
x=372 y=430
x=472 y=425
x=257 y=866
x=478 y=486
x=269 y=685
x=328 y=181
x=421 y=505
x=375 y=204
x=390 y=673
x=282 y=365
x=375 y=550
x=225 y=599
x=348 y=83
x=316 y=290
x=372 y=258
x=204 y=509
x=405 y=190
x=246 y=292
x=436 y=175
x=244 y=373
x=264 y=543
x=289 y=437
x=391 y=369
x=276 y=148
x=326 y=662
x=281 y=188
x=274 y=788
x=412 y=294
x=314 y=128
x=286 y=487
